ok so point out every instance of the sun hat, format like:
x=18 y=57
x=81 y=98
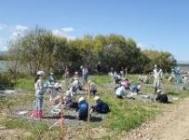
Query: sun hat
x=96 y=98
x=159 y=91
x=40 y=73
x=81 y=99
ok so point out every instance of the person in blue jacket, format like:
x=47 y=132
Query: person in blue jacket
x=83 y=108
x=100 y=107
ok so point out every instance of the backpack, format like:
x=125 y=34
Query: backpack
x=162 y=98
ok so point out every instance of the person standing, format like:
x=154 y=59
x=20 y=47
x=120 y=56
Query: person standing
x=85 y=73
x=39 y=92
x=157 y=78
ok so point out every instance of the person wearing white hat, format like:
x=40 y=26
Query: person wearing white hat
x=100 y=107
x=83 y=108
x=75 y=86
x=39 y=91
x=92 y=88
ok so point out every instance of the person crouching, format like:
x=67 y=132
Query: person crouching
x=82 y=109
x=92 y=88
x=100 y=107
x=121 y=92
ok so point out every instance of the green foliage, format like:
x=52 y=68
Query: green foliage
x=25 y=83
x=5 y=81
x=40 y=49
x=165 y=60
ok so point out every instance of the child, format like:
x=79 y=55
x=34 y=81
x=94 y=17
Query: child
x=75 y=86
x=39 y=91
x=92 y=88
x=121 y=92
x=83 y=108
x=68 y=101
x=100 y=107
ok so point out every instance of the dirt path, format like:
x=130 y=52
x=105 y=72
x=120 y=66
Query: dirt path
x=172 y=124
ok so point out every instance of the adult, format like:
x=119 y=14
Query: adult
x=98 y=67
x=85 y=73
x=157 y=78
x=51 y=78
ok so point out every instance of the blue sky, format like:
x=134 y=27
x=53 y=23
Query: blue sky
x=154 y=24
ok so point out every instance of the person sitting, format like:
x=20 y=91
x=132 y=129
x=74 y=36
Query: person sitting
x=125 y=83
x=92 y=88
x=120 y=92
x=82 y=109
x=68 y=101
x=100 y=107
x=135 y=88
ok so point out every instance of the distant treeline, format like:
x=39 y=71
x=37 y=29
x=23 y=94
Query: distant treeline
x=40 y=49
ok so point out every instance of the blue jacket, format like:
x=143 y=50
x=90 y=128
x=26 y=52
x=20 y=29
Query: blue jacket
x=83 y=108
x=101 y=107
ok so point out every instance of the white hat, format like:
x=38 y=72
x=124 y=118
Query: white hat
x=68 y=93
x=40 y=73
x=81 y=99
x=96 y=98
x=159 y=91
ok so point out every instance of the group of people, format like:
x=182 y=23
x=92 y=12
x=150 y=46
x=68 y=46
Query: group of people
x=127 y=89
x=68 y=99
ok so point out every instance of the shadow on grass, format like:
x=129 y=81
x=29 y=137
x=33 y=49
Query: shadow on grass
x=70 y=117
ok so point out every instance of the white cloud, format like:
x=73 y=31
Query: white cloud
x=21 y=28
x=67 y=29
x=19 y=31
x=64 y=32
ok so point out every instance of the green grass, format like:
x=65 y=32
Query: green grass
x=37 y=129
x=124 y=115
x=25 y=83
x=128 y=114
x=101 y=79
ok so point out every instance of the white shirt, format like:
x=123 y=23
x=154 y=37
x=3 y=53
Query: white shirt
x=121 y=91
x=38 y=85
x=156 y=73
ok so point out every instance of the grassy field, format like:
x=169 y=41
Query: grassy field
x=125 y=114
